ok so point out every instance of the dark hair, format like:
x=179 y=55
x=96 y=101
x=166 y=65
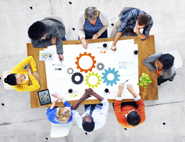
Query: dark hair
x=37 y=30
x=143 y=19
x=11 y=79
x=133 y=118
x=167 y=60
x=88 y=126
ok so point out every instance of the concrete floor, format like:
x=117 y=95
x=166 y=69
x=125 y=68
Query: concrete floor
x=20 y=123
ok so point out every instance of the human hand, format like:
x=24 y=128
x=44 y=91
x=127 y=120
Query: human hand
x=86 y=95
x=156 y=73
x=113 y=48
x=89 y=91
x=136 y=30
x=36 y=75
x=55 y=101
x=121 y=87
x=56 y=96
x=95 y=36
x=84 y=42
x=28 y=70
x=60 y=56
x=53 y=40
x=131 y=89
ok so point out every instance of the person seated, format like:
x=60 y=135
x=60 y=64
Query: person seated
x=61 y=114
x=130 y=24
x=129 y=115
x=162 y=65
x=92 y=24
x=20 y=77
x=48 y=32
x=95 y=115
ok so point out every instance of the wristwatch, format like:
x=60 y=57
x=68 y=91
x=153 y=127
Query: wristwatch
x=139 y=33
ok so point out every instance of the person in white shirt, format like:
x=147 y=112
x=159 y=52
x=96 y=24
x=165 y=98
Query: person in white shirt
x=92 y=24
x=95 y=115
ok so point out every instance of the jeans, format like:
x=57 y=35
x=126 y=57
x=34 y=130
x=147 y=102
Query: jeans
x=160 y=81
x=64 y=38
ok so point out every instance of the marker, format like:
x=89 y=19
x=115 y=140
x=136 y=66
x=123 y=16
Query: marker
x=60 y=59
x=125 y=81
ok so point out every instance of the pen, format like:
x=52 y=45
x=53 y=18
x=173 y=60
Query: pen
x=125 y=81
x=60 y=58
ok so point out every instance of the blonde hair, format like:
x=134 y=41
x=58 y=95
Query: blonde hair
x=63 y=114
x=91 y=13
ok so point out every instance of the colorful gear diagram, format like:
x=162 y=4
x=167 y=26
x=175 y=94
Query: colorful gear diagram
x=85 y=54
x=112 y=71
x=87 y=80
x=75 y=81
x=100 y=66
x=45 y=56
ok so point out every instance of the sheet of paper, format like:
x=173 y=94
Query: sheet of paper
x=125 y=68
x=124 y=56
x=60 y=72
x=45 y=55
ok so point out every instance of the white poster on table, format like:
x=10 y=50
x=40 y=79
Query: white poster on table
x=97 y=67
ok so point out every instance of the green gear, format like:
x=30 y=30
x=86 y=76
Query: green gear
x=87 y=80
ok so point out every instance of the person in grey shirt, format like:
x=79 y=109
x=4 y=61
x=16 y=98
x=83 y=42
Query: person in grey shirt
x=48 y=32
x=162 y=65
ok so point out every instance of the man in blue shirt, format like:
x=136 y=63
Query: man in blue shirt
x=94 y=116
x=132 y=22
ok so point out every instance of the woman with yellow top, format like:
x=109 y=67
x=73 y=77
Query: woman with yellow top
x=20 y=77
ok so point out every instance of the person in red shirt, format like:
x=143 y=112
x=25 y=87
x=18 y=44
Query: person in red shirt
x=129 y=116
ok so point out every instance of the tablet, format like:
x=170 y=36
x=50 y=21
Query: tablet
x=44 y=97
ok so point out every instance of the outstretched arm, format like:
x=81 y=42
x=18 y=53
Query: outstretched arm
x=91 y=92
x=148 y=62
x=131 y=90
x=118 y=35
x=117 y=104
x=54 y=103
x=77 y=103
x=59 y=97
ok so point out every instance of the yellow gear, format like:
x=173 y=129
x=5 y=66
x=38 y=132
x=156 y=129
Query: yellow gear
x=87 y=80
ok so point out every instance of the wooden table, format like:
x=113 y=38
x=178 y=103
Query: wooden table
x=146 y=48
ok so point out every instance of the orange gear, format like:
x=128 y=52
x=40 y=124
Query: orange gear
x=85 y=54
